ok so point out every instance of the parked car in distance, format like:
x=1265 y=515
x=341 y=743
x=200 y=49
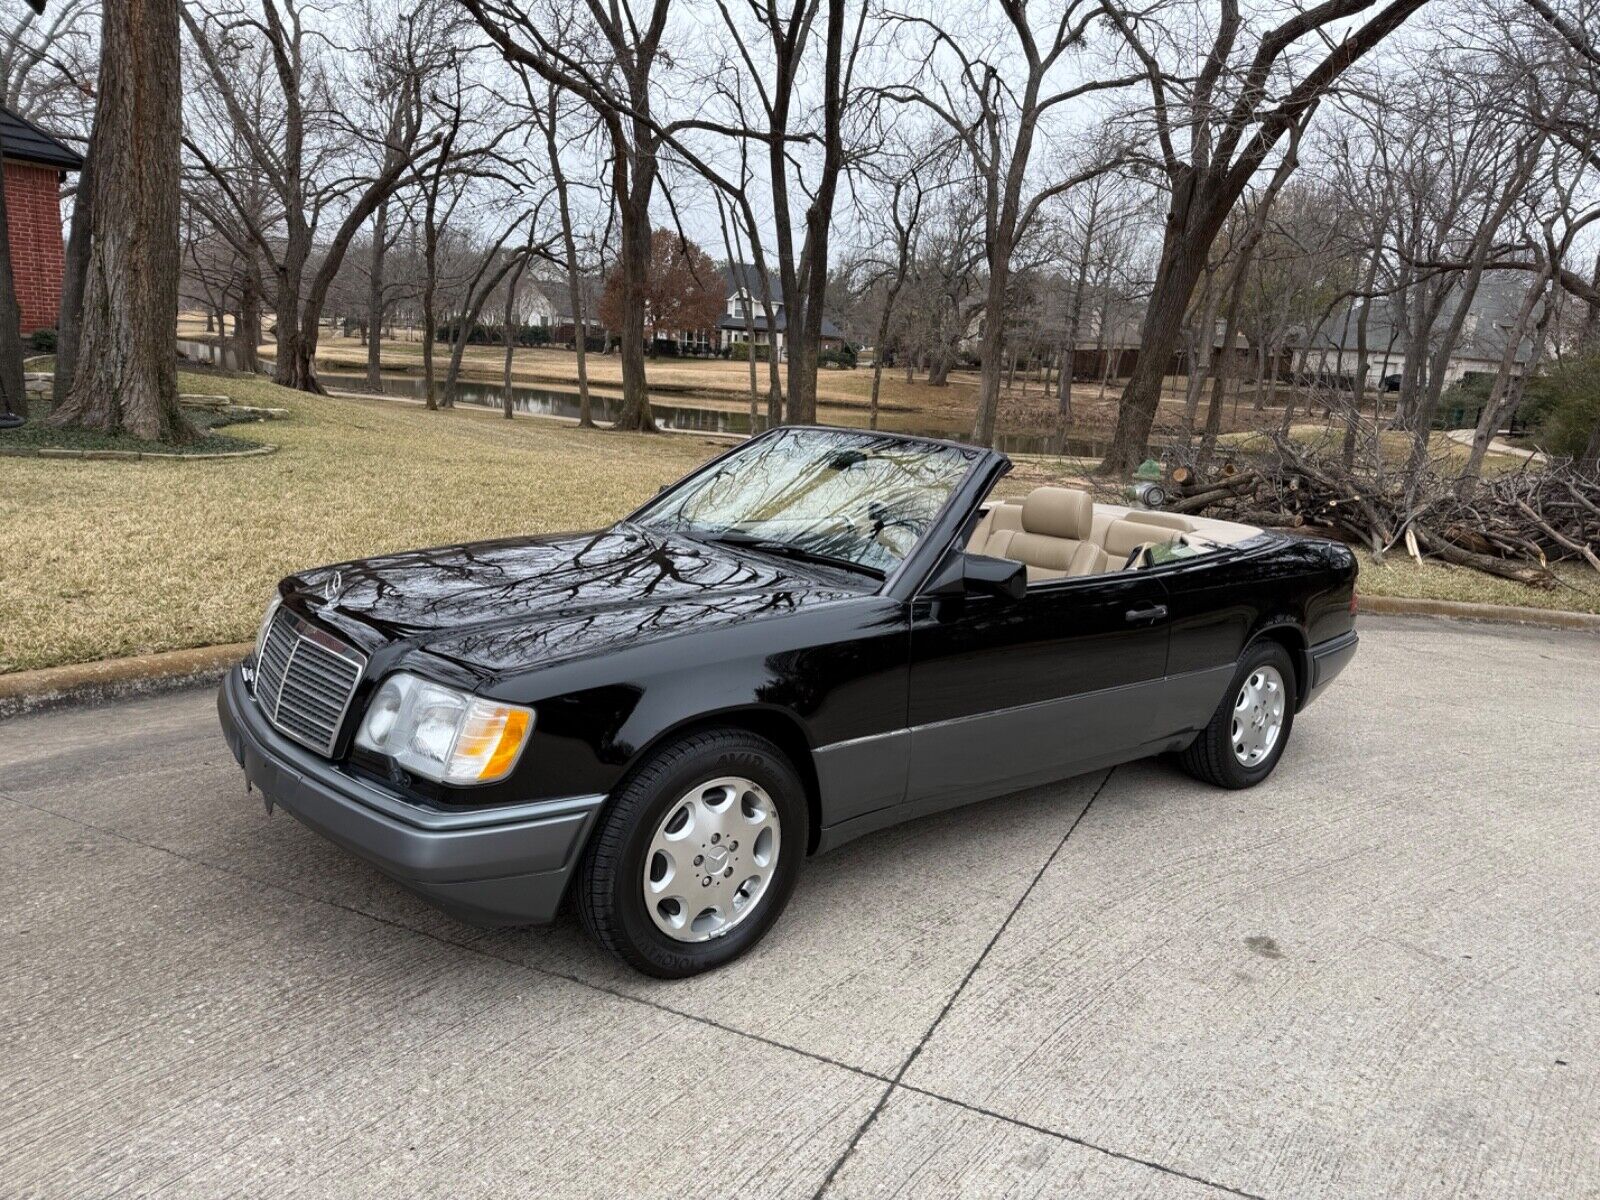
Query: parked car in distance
x=821 y=633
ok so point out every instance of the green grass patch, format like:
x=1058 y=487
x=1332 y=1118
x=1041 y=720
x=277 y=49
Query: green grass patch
x=38 y=435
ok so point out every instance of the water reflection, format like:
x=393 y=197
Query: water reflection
x=695 y=418
x=669 y=413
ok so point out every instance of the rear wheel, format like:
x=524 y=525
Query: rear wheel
x=1245 y=737
x=697 y=854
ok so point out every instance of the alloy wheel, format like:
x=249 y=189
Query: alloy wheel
x=711 y=859
x=1258 y=716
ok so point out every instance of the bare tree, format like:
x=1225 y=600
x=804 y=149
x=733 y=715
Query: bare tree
x=773 y=69
x=612 y=71
x=1214 y=129
x=304 y=142
x=994 y=110
x=904 y=212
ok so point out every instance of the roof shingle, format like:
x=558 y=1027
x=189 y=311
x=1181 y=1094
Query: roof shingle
x=26 y=142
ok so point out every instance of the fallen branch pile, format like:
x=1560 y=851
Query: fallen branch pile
x=1512 y=525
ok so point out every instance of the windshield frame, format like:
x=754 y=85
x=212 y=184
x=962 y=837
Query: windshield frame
x=986 y=466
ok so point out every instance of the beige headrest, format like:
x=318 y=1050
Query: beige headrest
x=1123 y=536
x=1058 y=512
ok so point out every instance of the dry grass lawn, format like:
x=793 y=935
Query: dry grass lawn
x=105 y=559
x=1445 y=453
x=1401 y=576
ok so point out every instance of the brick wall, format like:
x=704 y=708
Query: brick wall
x=37 y=255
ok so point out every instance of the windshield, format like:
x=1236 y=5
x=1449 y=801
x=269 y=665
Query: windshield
x=859 y=499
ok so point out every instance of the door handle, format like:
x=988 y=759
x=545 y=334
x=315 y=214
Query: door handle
x=1150 y=612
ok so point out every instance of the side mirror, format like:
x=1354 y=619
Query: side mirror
x=978 y=574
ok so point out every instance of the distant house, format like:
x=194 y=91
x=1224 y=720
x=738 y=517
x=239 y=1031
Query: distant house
x=554 y=308
x=35 y=165
x=1484 y=337
x=745 y=318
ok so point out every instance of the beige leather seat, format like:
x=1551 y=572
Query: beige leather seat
x=1054 y=540
x=1123 y=537
x=1002 y=518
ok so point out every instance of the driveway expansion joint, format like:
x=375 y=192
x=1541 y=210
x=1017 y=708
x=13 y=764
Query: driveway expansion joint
x=955 y=995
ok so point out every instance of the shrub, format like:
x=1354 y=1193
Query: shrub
x=844 y=357
x=493 y=335
x=1563 y=407
x=740 y=352
x=42 y=341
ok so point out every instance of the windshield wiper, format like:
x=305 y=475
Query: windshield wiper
x=749 y=541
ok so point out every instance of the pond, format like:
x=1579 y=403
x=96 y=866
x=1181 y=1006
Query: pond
x=674 y=413
x=670 y=413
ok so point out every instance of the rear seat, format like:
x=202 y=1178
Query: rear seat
x=1056 y=532
x=1123 y=537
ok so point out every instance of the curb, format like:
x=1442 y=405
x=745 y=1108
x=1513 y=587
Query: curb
x=83 y=684
x=1500 y=614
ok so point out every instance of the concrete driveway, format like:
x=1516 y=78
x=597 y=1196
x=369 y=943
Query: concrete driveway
x=1376 y=975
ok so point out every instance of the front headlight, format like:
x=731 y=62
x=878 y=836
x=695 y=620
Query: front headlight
x=442 y=734
x=266 y=624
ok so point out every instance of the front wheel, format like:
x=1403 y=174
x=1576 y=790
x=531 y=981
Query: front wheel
x=696 y=855
x=1246 y=735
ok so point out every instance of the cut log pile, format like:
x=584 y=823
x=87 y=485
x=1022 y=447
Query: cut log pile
x=1513 y=525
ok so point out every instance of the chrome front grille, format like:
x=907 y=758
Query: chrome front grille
x=305 y=681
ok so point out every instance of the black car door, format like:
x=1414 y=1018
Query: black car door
x=1009 y=693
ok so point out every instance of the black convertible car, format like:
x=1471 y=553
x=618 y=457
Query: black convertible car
x=820 y=633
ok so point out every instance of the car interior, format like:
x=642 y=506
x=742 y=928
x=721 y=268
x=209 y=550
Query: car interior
x=1059 y=532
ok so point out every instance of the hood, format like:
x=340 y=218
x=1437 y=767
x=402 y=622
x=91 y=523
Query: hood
x=515 y=604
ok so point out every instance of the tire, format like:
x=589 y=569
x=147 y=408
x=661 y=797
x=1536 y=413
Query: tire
x=1212 y=757
x=612 y=883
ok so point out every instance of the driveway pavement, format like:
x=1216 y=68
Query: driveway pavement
x=1376 y=975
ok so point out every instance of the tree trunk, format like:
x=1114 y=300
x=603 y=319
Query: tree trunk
x=1182 y=261
x=1591 y=453
x=1506 y=393
x=380 y=237
x=1590 y=334
x=467 y=321
x=635 y=263
x=569 y=248
x=292 y=367
x=126 y=375
x=1223 y=365
x=884 y=335
x=13 y=385
x=430 y=286
x=992 y=346
x=506 y=396
x=1205 y=338
x=247 y=325
x=75 y=276
x=1422 y=424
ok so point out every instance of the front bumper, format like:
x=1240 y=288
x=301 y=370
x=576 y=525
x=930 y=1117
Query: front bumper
x=506 y=865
